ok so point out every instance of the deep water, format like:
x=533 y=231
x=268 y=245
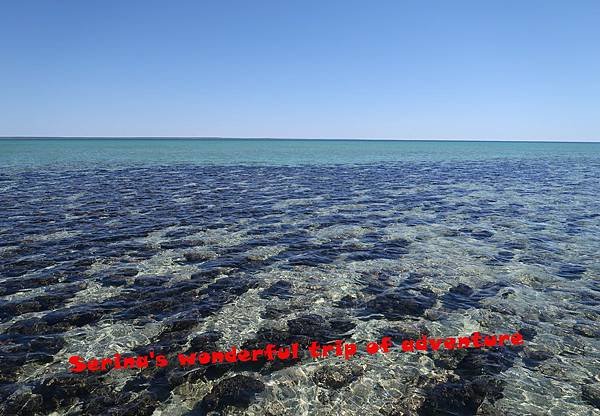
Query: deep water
x=180 y=256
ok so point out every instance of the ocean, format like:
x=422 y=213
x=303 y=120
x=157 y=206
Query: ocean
x=144 y=151
x=130 y=246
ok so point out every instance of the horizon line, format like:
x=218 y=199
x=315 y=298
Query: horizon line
x=298 y=138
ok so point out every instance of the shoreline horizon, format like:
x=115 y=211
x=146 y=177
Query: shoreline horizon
x=200 y=138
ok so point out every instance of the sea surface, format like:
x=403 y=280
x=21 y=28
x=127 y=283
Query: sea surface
x=127 y=246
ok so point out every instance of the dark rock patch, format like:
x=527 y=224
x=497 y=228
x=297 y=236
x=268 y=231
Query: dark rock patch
x=14 y=285
x=176 y=244
x=514 y=245
x=66 y=389
x=404 y=332
x=76 y=316
x=590 y=393
x=571 y=271
x=337 y=376
x=150 y=281
x=22 y=403
x=274 y=312
x=462 y=290
x=314 y=327
x=347 y=301
x=534 y=357
x=280 y=289
x=397 y=304
x=500 y=258
x=477 y=383
x=463 y=296
x=238 y=391
x=205 y=342
x=462 y=398
x=585 y=330
x=209 y=275
x=528 y=333
x=482 y=235
x=197 y=256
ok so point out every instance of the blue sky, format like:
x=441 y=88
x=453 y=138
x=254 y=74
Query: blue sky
x=337 y=69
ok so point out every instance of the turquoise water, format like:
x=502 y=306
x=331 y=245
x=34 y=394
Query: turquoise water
x=115 y=152
x=131 y=246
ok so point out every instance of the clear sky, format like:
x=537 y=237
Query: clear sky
x=524 y=69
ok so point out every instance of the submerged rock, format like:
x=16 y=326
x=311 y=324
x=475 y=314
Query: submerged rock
x=403 y=406
x=274 y=311
x=397 y=304
x=538 y=354
x=13 y=285
x=534 y=357
x=528 y=333
x=461 y=398
x=462 y=289
x=238 y=391
x=571 y=271
x=197 y=256
x=280 y=289
x=206 y=341
x=463 y=296
x=481 y=235
x=337 y=376
x=588 y=331
x=66 y=389
x=590 y=393
x=312 y=326
x=22 y=403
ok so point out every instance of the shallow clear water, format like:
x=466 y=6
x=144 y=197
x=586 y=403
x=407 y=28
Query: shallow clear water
x=126 y=246
x=37 y=153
